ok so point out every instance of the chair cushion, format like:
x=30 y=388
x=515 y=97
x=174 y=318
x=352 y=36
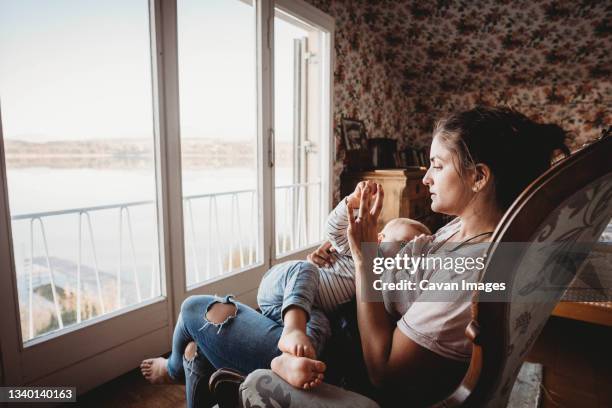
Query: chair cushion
x=263 y=388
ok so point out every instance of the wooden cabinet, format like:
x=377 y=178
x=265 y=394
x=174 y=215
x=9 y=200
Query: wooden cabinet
x=405 y=194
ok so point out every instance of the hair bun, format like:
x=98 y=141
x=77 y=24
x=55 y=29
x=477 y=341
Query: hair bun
x=552 y=138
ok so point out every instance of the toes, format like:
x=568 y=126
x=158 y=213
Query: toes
x=319 y=366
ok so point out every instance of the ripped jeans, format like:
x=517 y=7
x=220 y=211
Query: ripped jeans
x=248 y=341
x=245 y=342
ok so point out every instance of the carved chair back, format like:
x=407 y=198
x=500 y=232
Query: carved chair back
x=537 y=250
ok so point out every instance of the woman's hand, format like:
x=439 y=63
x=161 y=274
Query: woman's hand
x=363 y=229
x=355 y=197
x=321 y=256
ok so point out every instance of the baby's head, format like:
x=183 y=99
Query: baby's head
x=402 y=230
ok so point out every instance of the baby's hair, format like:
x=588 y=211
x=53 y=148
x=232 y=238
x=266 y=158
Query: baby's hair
x=419 y=226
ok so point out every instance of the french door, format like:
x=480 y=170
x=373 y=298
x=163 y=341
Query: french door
x=150 y=150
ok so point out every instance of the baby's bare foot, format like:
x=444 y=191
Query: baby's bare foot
x=296 y=342
x=155 y=371
x=301 y=372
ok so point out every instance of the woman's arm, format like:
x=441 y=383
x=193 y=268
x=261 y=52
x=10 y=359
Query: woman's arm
x=391 y=357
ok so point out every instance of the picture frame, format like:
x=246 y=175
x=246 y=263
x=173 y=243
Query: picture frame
x=353 y=134
x=425 y=157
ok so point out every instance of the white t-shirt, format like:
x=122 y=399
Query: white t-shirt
x=435 y=320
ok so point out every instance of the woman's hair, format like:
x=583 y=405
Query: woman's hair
x=516 y=149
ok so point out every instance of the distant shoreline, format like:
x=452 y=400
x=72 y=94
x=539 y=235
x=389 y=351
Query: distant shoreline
x=134 y=154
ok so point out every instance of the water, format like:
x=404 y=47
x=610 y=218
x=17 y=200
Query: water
x=39 y=189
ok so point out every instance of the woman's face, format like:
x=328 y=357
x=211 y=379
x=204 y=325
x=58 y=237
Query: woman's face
x=450 y=194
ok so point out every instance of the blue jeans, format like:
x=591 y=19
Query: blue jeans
x=294 y=283
x=246 y=341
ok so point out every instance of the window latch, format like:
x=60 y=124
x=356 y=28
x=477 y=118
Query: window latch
x=271 y=147
x=309 y=146
x=311 y=57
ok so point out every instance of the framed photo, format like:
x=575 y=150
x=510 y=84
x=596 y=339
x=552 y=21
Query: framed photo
x=425 y=157
x=353 y=134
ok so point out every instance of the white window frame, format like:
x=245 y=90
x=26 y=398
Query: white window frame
x=103 y=348
x=316 y=18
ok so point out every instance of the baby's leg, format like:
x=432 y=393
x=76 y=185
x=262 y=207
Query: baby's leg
x=318 y=330
x=294 y=339
x=300 y=289
x=286 y=294
x=300 y=367
x=293 y=283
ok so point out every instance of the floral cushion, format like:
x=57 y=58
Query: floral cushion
x=264 y=389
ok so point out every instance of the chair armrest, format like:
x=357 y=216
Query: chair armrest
x=265 y=389
x=223 y=384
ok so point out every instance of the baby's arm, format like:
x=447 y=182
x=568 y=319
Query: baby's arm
x=337 y=221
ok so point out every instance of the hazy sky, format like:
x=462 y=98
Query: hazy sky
x=80 y=69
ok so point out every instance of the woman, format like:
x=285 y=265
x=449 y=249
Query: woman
x=480 y=161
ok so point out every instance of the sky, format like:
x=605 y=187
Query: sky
x=80 y=69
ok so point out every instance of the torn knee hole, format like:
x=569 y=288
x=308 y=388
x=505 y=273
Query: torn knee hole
x=190 y=351
x=219 y=313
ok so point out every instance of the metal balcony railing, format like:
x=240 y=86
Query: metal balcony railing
x=229 y=235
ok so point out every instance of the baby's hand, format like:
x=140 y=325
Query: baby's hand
x=297 y=343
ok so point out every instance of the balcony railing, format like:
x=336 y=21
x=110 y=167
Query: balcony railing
x=231 y=242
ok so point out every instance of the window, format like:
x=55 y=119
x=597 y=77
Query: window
x=137 y=167
x=79 y=160
x=300 y=171
x=218 y=123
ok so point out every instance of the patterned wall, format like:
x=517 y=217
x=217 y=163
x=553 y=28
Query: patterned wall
x=400 y=65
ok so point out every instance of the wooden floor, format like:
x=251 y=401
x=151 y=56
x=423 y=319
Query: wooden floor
x=577 y=359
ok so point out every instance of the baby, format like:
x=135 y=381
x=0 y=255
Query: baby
x=298 y=294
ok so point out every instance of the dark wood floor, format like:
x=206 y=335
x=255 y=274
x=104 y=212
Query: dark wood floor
x=577 y=359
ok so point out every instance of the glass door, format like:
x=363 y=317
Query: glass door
x=79 y=144
x=217 y=70
x=80 y=160
x=301 y=137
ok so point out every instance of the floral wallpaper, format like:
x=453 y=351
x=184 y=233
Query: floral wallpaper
x=400 y=65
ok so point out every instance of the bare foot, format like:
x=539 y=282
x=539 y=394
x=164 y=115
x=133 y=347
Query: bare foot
x=296 y=342
x=155 y=371
x=301 y=372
